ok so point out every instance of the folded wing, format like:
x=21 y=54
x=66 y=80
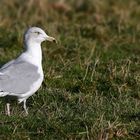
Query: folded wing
x=18 y=77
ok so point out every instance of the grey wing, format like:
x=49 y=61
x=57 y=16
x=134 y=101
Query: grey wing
x=18 y=77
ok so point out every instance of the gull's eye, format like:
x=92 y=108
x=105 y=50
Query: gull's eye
x=37 y=33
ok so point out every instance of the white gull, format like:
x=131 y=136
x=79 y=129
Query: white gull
x=23 y=76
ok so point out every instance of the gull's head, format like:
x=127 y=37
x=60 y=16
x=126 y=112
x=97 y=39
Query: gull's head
x=36 y=35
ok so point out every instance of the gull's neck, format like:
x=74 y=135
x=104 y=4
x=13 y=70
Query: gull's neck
x=33 y=53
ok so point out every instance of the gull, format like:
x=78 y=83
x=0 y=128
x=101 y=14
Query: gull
x=23 y=76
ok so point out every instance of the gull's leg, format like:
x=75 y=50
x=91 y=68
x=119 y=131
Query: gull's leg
x=25 y=108
x=8 y=109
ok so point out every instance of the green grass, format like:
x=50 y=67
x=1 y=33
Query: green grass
x=91 y=89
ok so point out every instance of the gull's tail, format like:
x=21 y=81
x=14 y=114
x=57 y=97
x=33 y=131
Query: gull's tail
x=2 y=94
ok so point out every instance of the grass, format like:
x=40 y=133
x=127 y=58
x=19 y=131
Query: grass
x=91 y=88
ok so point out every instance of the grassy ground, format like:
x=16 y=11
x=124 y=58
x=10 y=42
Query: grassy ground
x=91 y=89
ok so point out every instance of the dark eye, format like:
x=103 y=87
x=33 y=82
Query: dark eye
x=37 y=33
